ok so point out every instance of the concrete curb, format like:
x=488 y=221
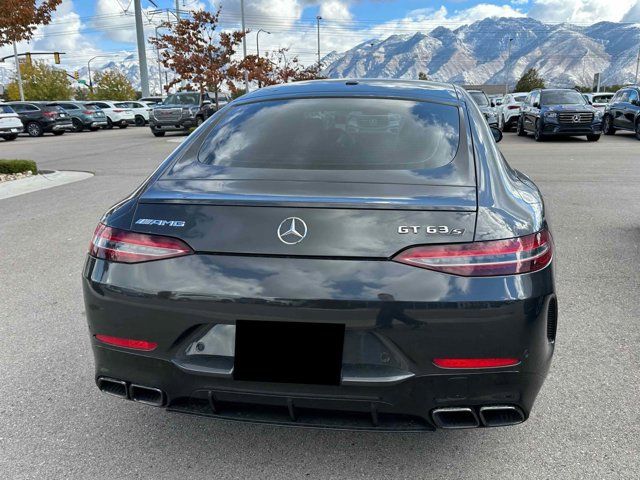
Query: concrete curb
x=41 y=181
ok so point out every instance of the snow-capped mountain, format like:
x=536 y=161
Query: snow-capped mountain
x=564 y=54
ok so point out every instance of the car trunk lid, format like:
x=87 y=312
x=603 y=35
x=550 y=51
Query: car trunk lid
x=329 y=219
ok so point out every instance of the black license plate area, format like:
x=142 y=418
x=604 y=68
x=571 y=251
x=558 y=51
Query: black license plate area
x=288 y=352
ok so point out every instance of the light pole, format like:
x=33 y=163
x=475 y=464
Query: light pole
x=258 y=40
x=637 y=66
x=244 y=48
x=15 y=55
x=507 y=69
x=158 y=60
x=318 y=18
x=142 y=51
x=89 y=69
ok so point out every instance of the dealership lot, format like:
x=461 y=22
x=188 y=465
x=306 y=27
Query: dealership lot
x=55 y=423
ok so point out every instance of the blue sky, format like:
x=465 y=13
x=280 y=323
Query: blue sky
x=86 y=28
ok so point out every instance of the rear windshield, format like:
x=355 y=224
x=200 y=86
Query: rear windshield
x=335 y=134
x=562 y=98
x=6 y=109
x=602 y=98
x=480 y=98
x=520 y=98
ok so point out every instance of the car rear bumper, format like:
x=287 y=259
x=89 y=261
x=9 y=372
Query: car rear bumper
x=11 y=129
x=397 y=319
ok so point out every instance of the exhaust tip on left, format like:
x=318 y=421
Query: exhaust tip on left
x=114 y=387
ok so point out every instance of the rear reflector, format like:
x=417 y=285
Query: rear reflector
x=130 y=247
x=142 y=345
x=475 y=362
x=484 y=259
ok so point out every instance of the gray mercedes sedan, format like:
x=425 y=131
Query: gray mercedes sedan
x=351 y=254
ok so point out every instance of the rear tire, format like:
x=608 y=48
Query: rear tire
x=593 y=138
x=538 y=136
x=10 y=138
x=607 y=125
x=34 y=129
x=140 y=121
x=637 y=129
x=158 y=134
x=520 y=129
x=77 y=125
x=94 y=129
x=123 y=125
x=199 y=121
x=109 y=124
x=58 y=132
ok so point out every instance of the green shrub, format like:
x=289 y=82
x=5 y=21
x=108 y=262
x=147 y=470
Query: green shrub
x=18 y=166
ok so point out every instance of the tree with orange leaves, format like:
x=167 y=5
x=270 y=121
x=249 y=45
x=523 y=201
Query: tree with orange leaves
x=199 y=53
x=19 y=19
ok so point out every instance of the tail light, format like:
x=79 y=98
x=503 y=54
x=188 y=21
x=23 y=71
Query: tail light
x=142 y=345
x=483 y=259
x=475 y=362
x=118 y=110
x=88 y=112
x=513 y=107
x=49 y=114
x=129 y=247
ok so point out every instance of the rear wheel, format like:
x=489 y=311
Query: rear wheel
x=93 y=129
x=140 y=121
x=109 y=124
x=199 y=121
x=77 y=125
x=123 y=125
x=520 y=129
x=607 y=125
x=537 y=134
x=158 y=134
x=10 y=137
x=637 y=129
x=593 y=138
x=58 y=132
x=34 y=129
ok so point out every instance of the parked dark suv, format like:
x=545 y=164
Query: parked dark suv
x=182 y=111
x=40 y=117
x=623 y=112
x=559 y=112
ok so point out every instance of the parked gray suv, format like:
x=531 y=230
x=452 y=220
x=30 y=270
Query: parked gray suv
x=83 y=116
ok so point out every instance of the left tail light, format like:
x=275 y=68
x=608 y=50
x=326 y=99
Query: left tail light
x=130 y=247
x=484 y=259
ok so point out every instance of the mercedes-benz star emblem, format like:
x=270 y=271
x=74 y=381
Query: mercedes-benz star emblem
x=292 y=230
x=576 y=118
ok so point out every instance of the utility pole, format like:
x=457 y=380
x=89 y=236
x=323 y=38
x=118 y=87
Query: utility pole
x=244 y=48
x=158 y=60
x=15 y=55
x=178 y=9
x=142 y=51
x=258 y=40
x=318 y=18
x=507 y=69
x=637 y=66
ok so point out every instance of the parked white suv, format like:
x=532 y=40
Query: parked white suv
x=599 y=100
x=116 y=116
x=509 y=110
x=10 y=123
x=140 y=111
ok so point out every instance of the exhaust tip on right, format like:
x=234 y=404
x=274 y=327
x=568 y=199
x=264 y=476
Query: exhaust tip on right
x=501 y=415
x=147 y=395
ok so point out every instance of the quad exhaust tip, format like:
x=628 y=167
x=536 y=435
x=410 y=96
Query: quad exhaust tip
x=147 y=395
x=455 y=417
x=114 y=387
x=138 y=393
x=501 y=415
x=465 y=417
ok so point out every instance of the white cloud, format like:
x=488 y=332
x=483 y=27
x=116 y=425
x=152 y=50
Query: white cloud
x=335 y=10
x=580 y=11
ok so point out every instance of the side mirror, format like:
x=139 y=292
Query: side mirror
x=497 y=134
x=536 y=105
x=493 y=104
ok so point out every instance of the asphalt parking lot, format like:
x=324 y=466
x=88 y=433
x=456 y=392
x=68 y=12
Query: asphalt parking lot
x=54 y=423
